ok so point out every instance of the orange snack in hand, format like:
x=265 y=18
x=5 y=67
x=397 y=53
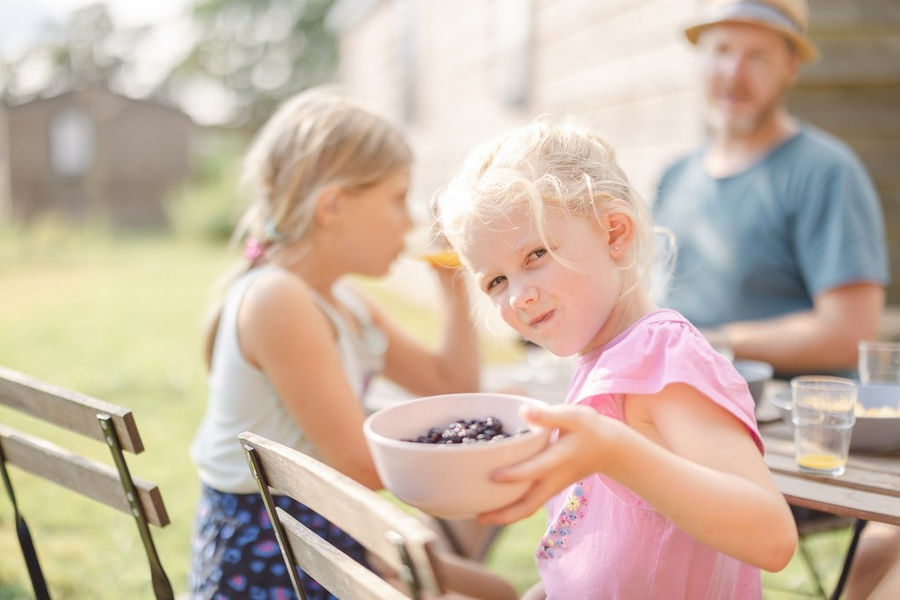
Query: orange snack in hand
x=445 y=258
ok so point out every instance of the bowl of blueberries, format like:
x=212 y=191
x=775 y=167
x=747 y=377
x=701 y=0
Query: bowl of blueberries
x=437 y=453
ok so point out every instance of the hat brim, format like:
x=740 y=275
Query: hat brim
x=806 y=50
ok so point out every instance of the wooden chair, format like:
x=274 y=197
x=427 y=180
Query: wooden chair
x=115 y=487
x=392 y=536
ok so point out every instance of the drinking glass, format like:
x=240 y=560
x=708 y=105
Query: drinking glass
x=822 y=410
x=879 y=362
x=879 y=375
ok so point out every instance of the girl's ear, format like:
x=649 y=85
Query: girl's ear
x=621 y=233
x=328 y=204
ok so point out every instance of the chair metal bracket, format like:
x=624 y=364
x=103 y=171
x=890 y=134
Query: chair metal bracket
x=38 y=583
x=858 y=527
x=162 y=588
x=262 y=482
x=408 y=571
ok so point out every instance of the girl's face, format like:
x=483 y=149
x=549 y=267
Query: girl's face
x=375 y=224
x=567 y=304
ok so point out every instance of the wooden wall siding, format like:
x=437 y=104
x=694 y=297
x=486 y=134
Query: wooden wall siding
x=374 y=72
x=624 y=66
x=854 y=93
x=621 y=65
x=29 y=144
x=32 y=191
x=5 y=192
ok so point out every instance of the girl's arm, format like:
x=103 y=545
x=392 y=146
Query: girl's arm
x=688 y=457
x=454 y=366
x=711 y=479
x=283 y=332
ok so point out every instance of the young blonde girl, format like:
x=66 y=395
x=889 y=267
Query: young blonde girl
x=655 y=486
x=293 y=346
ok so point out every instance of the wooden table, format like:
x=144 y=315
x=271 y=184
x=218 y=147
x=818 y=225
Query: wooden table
x=869 y=488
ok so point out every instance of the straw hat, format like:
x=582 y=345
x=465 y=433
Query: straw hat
x=790 y=18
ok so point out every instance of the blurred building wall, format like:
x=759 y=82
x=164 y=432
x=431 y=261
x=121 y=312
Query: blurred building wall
x=458 y=72
x=92 y=154
x=619 y=64
x=854 y=93
x=5 y=197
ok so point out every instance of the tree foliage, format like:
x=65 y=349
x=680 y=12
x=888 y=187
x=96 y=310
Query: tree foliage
x=257 y=52
x=245 y=57
x=84 y=50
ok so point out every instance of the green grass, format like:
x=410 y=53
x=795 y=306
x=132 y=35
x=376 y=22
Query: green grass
x=121 y=319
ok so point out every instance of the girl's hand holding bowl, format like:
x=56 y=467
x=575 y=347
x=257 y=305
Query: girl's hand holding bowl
x=452 y=481
x=586 y=442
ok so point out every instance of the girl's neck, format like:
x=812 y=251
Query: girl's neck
x=630 y=309
x=304 y=261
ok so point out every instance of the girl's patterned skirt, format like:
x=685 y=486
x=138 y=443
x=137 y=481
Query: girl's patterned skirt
x=236 y=555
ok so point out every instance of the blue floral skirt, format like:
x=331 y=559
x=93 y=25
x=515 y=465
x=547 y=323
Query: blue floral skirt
x=236 y=555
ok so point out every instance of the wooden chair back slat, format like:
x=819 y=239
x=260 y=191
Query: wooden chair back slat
x=65 y=408
x=89 y=478
x=108 y=423
x=341 y=575
x=364 y=515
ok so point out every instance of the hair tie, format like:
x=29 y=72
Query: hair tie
x=272 y=234
x=254 y=249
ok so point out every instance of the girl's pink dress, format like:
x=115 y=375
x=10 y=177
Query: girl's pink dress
x=603 y=540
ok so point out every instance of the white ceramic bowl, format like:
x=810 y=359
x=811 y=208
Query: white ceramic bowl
x=450 y=480
x=782 y=401
x=756 y=373
x=877 y=433
x=870 y=433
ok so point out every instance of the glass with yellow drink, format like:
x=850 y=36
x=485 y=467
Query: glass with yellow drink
x=822 y=410
x=423 y=243
x=443 y=258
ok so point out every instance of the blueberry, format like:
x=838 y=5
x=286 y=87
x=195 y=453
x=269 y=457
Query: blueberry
x=466 y=431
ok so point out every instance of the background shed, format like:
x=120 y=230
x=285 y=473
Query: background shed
x=91 y=154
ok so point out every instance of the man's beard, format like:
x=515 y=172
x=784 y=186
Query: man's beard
x=723 y=125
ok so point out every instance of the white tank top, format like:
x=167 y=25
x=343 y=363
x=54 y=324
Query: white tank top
x=241 y=397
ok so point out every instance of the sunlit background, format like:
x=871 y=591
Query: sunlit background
x=452 y=73
x=122 y=124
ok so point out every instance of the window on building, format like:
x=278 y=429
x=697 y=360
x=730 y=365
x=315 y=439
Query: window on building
x=72 y=140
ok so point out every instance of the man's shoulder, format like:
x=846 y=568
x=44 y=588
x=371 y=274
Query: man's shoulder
x=814 y=146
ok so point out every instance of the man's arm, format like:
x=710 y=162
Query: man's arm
x=822 y=339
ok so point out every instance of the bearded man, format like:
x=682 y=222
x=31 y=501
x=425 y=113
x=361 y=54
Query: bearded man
x=781 y=248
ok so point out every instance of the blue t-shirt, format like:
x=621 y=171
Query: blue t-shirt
x=766 y=241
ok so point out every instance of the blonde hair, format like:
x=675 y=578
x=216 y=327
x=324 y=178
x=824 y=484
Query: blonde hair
x=316 y=139
x=541 y=164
